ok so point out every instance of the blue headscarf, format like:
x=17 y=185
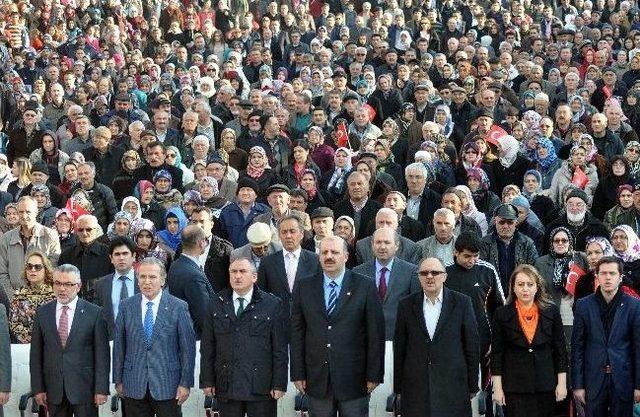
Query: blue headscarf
x=173 y=240
x=551 y=151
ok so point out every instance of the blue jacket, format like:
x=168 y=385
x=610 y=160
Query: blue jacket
x=590 y=350
x=168 y=363
x=232 y=225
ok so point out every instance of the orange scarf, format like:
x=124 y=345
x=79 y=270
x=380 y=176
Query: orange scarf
x=528 y=317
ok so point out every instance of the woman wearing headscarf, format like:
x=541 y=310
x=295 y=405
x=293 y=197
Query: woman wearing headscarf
x=443 y=118
x=64 y=224
x=46 y=213
x=335 y=181
x=565 y=174
x=547 y=161
x=176 y=161
x=123 y=182
x=210 y=194
x=320 y=153
x=309 y=183
x=49 y=152
x=471 y=158
x=165 y=194
x=607 y=193
x=624 y=212
x=632 y=155
x=595 y=249
x=532 y=119
x=169 y=238
x=540 y=204
x=143 y=233
x=399 y=146
x=555 y=268
x=132 y=206
x=292 y=175
x=363 y=89
x=258 y=169
x=151 y=209
x=470 y=210
x=511 y=166
x=486 y=200
x=190 y=200
x=120 y=226
x=528 y=222
x=626 y=246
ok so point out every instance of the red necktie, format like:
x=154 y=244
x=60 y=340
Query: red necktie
x=382 y=286
x=63 y=326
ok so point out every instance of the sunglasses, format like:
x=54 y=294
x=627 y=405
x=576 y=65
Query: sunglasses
x=34 y=267
x=560 y=240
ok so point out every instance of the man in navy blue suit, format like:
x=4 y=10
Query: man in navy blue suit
x=606 y=346
x=154 y=347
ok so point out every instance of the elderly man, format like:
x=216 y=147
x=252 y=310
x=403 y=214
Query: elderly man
x=235 y=218
x=322 y=225
x=25 y=136
x=409 y=228
x=452 y=199
x=422 y=202
x=156 y=160
x=278 y=197
x=506 y=247
x=407 y=250
x=217 y=168
x=395 y=278
x=440 y=245
x=102 y=198
x=107 y=158
x=89 y=255
x=29 y=236
x=358 y=205
x=607 y=142
x=259 y=246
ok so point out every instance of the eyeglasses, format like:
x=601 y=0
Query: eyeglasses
x=432 y=273
x=34 y=267
x=67 y=285
x=560 y=240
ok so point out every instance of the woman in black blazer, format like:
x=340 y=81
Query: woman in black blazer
x=529 y=358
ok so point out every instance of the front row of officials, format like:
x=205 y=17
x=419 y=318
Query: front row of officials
x=336 y=332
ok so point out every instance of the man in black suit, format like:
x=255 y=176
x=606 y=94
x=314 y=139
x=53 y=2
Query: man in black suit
x=422 y=201
x=69 y=358
x=186 y=279
x=5 y=359
x=110 y=289
x=279 y=272
x=337 y=336
x=358 y=205
x=229 y=354
x=436 y=339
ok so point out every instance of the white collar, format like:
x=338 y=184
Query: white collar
x=156 y=299
x=72 y=304
x=247 y=297
x=438 y=298
x=296 y=253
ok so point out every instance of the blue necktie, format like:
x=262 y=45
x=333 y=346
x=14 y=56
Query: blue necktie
x=333 y=297
x=148 y=323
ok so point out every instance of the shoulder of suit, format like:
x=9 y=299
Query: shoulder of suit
x=458 y=296
x=172 y=300
x=88 y=305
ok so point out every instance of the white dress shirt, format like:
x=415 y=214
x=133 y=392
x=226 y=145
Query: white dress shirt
x=431 y=313
x=70 y=312
x=246 y=297
x=154 y=309
x=291 y=268
x=202 y=259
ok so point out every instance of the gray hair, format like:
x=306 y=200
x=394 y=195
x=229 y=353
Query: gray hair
x=252 y=266
x=294 y=217
x=69 y=269
x=445 y=212
x=150 y=260
x=396 y=235
x=416 y=166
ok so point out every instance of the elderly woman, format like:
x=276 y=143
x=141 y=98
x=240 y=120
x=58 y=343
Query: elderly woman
x=165 y=194
x=626 y=246
x=174 y=158
x=120 y=226
x=399 y=146
x=565 y=174
x=470 y=210
x=190 y=201
x=624 y=212
x=541 y=205
x=321 y=154
x=143 y=233
x=238 y=158
x=150 y=209
x=46 y=212
x=486 y=200
x=346 y=229
x=12 y=220
x=335 y=181
x=258 y=169
x=546 y=160
x=210 y=195
x=632 y=154
x=65 y=224
x=595 y=249
x=511 y=165
x=169 y=238
x=38 y=290
x=123 y=182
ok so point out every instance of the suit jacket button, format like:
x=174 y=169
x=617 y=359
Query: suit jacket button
x=530 y=350
x=328 y=327
x=328 y=345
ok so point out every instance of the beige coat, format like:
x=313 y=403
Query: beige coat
x=12 y=254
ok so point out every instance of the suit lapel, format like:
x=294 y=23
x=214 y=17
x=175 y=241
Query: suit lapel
x=302 y=263
x=345 y=293
x=281 y=267
x=318 y=285
x=78 y=317
x=394 y=276
x=418 y=301
x=161 y=317
x=621 y=313
x=50 y=320
x=445 y=312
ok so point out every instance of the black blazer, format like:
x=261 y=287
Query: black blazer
x=430 y=202
x=187 y=282
x=435 y=377
x=272 y=275
x=344 y=350
x=524 y=367
x=367 y=214
x=102 y=297
x=80 y=369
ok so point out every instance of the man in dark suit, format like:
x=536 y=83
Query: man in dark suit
x=69 y=359
x=422 y=201
x=407 y=249
x=409 y=228
x=111 y=289
x=605 y=346
x=436 y=339
x=394 y=277
x=154 y=347
x=236 y=318
x=279 y=272
x=337 y=340
x=5 y=359
x=358 y=205
x=186 y=279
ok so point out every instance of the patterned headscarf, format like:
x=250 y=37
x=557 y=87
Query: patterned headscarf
x=561 y=262
x=633 y=248
x=551 y=153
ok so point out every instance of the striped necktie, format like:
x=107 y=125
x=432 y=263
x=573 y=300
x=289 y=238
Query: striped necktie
x=63 y=326
x=333 y=297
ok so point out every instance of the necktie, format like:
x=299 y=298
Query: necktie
x=63 y=326
x=382 y=285
x=240 y=307
x=333 y=297
x=124 y=291
x=291 y=270
x=148 y=323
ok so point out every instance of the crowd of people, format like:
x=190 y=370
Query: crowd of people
x=460 y=177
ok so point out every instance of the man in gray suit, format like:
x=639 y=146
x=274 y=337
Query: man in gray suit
x=154 y=347
x=407 y=249
x=5 y=359
x=259 y=246
x=69 y=357
x=394 y=278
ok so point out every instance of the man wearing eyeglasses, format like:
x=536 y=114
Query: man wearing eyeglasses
x=25 y=136
x=436 y=348
x=506 y=247
x=69 y=357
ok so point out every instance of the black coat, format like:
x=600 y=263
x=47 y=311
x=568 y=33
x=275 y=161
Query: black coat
x=81 y=368
x=436 y=377
x=92 y=261
x=412 y=229
x=244 y=357
x=429 y=203
x=367 y=214
x=103 y=201
x=591 y=227
x=146 y=172
x=511 y=175
x=528 y=367
x=216 y=267
x=107 y=164
x=154 y=212
x=344 y=350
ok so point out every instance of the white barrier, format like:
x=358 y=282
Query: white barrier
x=195 y=404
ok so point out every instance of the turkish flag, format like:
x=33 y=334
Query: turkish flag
x=575 y=273
x=370 y=111
x=342 y=137
x=76 y=209
x=579 y=179
x=630 y=291
x=495 y=133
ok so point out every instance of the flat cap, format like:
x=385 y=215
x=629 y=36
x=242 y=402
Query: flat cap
x=506 y=211
x=259 y=234
x=321 y=212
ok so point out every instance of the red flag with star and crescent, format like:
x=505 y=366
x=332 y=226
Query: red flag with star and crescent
x=342 y=137
x=495 y=133
x=575 y=273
